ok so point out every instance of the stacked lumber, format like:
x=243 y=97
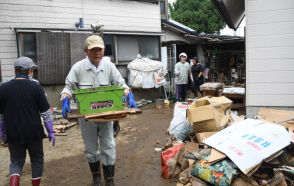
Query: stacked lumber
x=60 y=127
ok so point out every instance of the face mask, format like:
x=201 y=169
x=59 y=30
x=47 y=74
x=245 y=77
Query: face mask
x=31 y=76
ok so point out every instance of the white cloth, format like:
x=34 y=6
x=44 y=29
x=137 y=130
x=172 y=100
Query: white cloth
x=234 y=90
x=146 y=73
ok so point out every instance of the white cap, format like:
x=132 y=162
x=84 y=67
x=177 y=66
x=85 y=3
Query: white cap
x=183 y=54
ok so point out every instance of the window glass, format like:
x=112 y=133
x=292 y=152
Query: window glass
x=128 y=48
x=109 y=49
x=149 y=47
x=162 y=7
x=27 y=45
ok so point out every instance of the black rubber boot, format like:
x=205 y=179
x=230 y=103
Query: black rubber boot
x=96 y=173
x=108 y=172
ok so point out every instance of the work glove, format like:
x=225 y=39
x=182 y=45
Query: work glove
x=65 y=107
x=2 y=130
x=131 y=101
x=50 y=131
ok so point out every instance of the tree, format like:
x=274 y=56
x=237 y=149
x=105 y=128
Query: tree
x=200 y=15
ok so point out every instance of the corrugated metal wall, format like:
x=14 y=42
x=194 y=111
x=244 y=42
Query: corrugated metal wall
x=53 y=56
x=77 y=46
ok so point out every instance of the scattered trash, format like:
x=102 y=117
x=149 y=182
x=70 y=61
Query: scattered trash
x=158 y=149
x=209 y=114
x=226 y=149
x=159 y=103
x=166 y=103
x=220 y=173
x=179 y=127
x=143 y=102
x=169 y=159
x=247 y=139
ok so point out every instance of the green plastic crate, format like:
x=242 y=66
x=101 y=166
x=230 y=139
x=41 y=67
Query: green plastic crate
x=100 y=99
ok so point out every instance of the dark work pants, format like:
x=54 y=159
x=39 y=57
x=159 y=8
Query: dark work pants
x=181 y=90
x=18 y=157
x=197 y=84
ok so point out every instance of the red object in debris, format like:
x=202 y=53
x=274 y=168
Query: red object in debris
x=169 y=160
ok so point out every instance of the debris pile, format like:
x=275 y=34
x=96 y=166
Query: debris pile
x=61 y=125
x=143 y=102
x=211 y=145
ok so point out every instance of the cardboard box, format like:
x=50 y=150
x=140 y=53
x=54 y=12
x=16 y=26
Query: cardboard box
x=203 y=135
x=209 y=114
x=250 y=142
x=283 y=117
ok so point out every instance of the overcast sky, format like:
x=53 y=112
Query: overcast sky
x=227 y=30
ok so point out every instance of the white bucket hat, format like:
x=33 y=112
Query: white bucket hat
x=183 y=54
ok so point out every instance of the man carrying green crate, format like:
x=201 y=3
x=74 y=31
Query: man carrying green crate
x=95 y=71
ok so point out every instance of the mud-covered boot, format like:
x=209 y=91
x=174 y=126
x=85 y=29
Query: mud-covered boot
x=96 y=173
x=108 y=172
x=14 y=180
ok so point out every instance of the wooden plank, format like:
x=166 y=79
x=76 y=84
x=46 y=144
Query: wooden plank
x=276 y=116
x=106 y=120
x=61 y=134
x=135 y=111
x=106 y=116
x=103 y=114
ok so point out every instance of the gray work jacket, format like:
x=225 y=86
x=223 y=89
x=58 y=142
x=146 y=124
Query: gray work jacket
x=84 y=74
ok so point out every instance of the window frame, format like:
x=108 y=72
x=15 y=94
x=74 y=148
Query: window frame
x=113 y=48
x=138 y=37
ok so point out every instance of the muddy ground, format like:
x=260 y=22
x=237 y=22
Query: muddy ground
x=137 y=162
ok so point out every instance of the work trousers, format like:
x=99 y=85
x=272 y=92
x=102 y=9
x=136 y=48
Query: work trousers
x=99 y=141
x=181 y=90
x=18 y=157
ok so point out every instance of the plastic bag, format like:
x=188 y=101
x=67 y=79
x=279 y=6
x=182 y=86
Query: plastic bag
x=221 y=173
x=179 y=127
x=169 y=159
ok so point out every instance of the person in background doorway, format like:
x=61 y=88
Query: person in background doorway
x=197 y=76
x=221 y=76
x=182 y=71
x=206 y=74
x=22 y=104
